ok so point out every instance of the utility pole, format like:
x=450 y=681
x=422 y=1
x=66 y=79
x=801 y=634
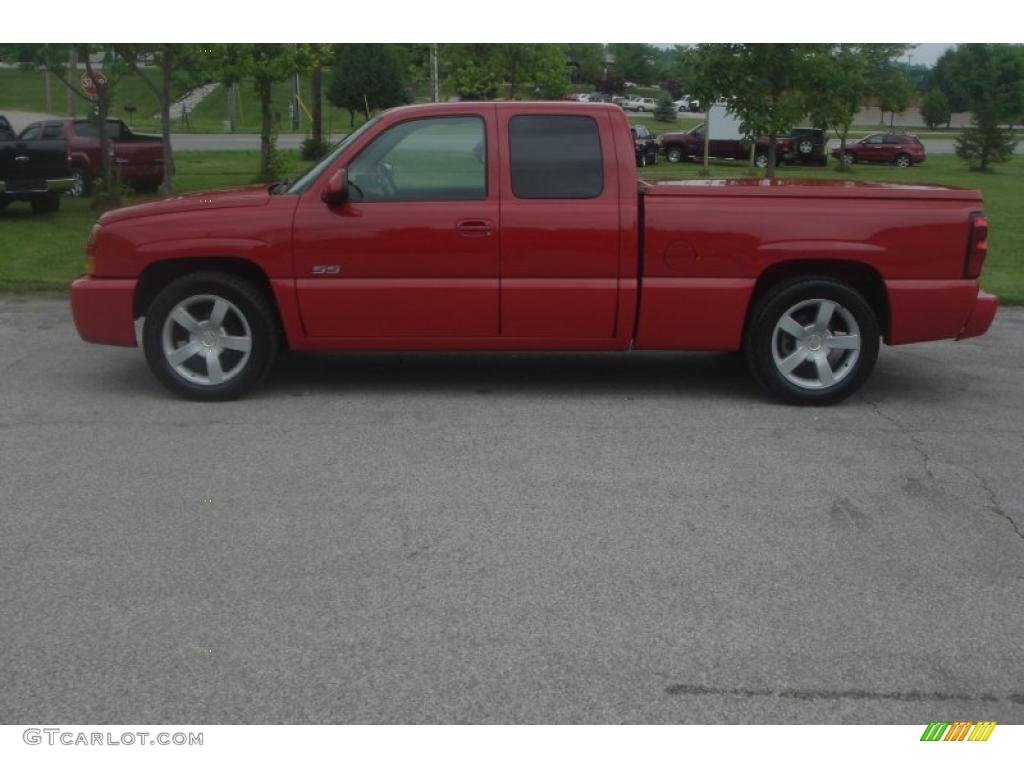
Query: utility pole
x=435 y=85
x=72 y=77
x=232 y=100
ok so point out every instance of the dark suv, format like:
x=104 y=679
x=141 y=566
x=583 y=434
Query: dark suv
x=808 y=146
x=900 y=149
x=646 y=145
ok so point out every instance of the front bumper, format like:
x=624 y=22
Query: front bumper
x=981 y=316
x=47 y=186
x=102 y=310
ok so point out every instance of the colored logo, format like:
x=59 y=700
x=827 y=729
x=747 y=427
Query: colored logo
x=958 y=730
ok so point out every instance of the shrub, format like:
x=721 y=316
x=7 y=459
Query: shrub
x=935 y=108
x=311 y=149
x=665 y=111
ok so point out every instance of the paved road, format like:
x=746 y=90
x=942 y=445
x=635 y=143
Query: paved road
x=524 y=538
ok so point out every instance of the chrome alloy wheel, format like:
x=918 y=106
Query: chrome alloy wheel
x=206 y=340
x=816 y=344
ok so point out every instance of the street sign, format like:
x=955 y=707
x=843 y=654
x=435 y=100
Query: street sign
x=89 y=83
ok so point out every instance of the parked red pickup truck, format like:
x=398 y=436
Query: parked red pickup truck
x=518 y=226
x=686 y=145
x=139 y=159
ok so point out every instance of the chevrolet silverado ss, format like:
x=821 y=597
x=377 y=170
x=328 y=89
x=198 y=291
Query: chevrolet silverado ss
x=522 y=226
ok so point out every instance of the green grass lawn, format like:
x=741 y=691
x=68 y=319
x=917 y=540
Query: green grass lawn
x=45 y=252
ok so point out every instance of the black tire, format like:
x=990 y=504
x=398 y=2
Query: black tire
x=4 y=202
x=903 y=161
x=48 y=203
x=761 y=344
x=642 y=160
x=255 y=309
x=674 y=154
x=83 y=182
x=652 y=158
x=761 y=160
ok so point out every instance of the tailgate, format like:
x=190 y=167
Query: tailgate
x=25 y=164
x=139 y=151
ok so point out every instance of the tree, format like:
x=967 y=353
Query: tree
x=170 y=58
x=990 y=79
x=311 y=58
x=474 y=72
x=634 y=61
x=665 y=110
x=586 y=62
x=366 y=77
x=764 y=86
x=840 y=79
x=707 y=69
x=893 y=91
x=935 y=108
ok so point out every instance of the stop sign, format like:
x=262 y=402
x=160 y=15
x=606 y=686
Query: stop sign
x=89 y=83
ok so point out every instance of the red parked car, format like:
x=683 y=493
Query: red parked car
x=521 y=226
x=900 y=149
x=138 y=158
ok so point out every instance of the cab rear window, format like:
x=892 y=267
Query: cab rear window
x=555 y=157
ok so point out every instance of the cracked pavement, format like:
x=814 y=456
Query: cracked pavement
x=508 y=538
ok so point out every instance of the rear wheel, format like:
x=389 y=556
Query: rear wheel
x=82 y=186
x=674 y=154
x=849 y=159
x=812 y=341
x=210 y=336
x=761 y=159
x=903 y=161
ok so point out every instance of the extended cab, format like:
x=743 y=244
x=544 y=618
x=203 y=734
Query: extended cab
x=138 y=158
x=38 y=172
x=519 y=226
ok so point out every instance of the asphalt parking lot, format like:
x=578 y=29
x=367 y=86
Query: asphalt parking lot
x=521 y=538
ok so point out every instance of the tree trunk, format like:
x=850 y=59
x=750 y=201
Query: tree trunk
x=72 y=76
x=266 y=127
x=110 y=187
x=165 y=120
x=232 y=105
x=317 y=106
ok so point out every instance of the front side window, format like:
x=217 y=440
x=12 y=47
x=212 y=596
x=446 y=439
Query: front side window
x=876 y=139
x=555 y=157
x=432 y=158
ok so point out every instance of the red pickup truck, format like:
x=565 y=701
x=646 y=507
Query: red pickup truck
x=519 y=226
x=139 y=159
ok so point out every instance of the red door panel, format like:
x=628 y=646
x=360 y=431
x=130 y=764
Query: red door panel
x=560 y=256
x=402 y=268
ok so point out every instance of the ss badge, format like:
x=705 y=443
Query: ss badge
x=326 y=269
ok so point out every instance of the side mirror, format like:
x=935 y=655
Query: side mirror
x=336 y=192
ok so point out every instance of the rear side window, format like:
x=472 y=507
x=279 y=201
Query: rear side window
x=51 y=132
x=555 y=157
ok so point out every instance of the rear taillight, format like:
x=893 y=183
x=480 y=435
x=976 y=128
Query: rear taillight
x=977 y=245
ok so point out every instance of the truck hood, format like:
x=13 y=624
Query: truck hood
x=240 y=197
x=807 y=188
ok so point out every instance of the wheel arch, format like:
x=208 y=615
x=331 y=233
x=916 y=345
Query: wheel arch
x=862 y=277
x=160 y=273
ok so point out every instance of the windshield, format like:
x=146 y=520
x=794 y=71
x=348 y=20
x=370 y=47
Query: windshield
x=304 y=181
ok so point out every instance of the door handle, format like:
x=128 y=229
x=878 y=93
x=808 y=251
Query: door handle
x=474 y=227
x=22 y=159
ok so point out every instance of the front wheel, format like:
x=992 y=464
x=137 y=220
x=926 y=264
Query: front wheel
x=761 y=160
x=210 y=336
x=812 y=341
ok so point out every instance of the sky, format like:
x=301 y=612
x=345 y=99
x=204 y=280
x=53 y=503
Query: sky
x=923 y=53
